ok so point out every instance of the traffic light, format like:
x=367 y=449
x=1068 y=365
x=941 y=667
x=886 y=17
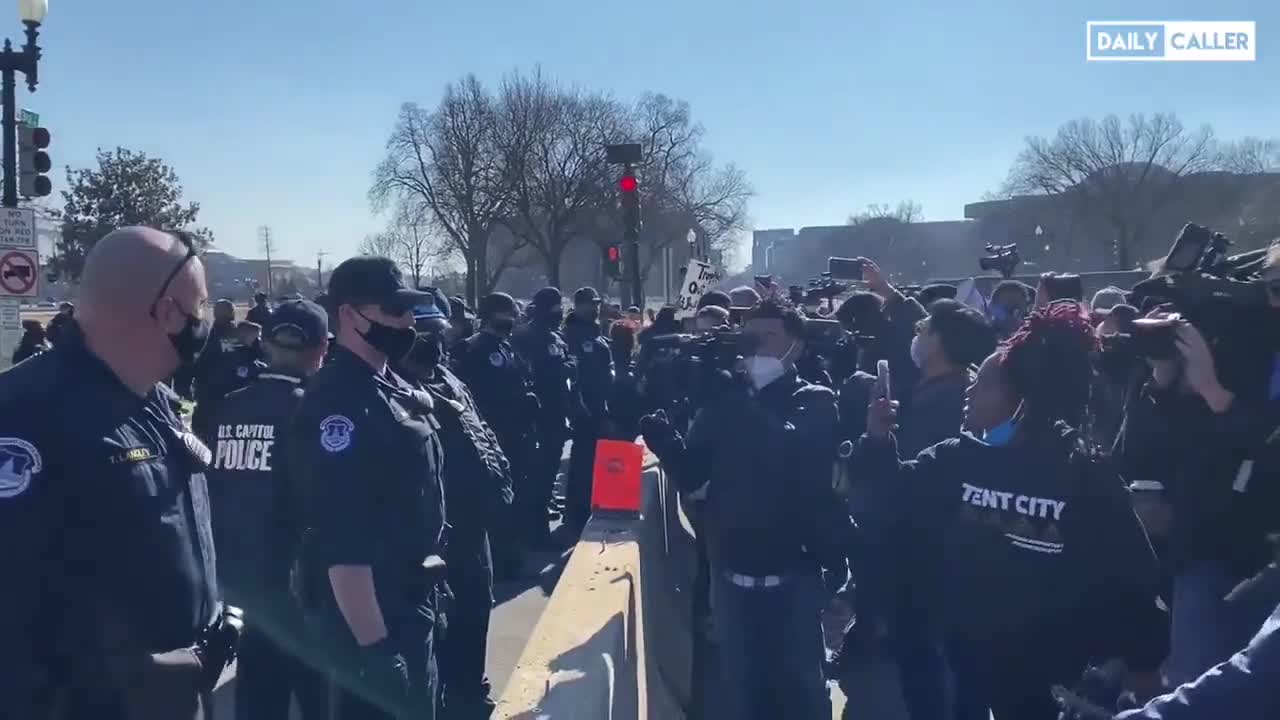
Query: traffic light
x=33 y=162
x=629 y=189
x=613 y=262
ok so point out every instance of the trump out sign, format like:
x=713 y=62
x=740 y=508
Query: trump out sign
x=1157 y=40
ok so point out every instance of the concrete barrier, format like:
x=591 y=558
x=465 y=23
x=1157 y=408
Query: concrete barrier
x=614 y=641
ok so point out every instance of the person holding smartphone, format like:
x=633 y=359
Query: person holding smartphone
x=1045 y=565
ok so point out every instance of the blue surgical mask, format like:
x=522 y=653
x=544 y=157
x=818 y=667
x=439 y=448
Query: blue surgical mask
x=1001 y=434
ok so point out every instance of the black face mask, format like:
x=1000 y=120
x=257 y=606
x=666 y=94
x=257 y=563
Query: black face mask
x=428 y=351
x=550 y=318
x=189 y=342
x=393 y=342
x=503 y=326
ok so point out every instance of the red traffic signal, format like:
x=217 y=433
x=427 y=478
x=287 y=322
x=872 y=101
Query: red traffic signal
x=628 y=184
x=613 y=262
x=615 y=254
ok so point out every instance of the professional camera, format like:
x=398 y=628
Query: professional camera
x=1197 y=271
x=678 y=366
x=1003 y=259
x=1219 y=294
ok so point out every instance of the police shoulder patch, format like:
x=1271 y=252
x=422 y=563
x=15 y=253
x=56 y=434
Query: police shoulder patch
x=19 y=462
x=497 y=360
x=335 y=433
x=588 y=346
x=242 y=372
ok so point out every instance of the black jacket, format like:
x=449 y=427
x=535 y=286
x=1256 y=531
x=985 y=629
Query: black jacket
x=255 y=523
x=499 y=382
x=547 y=356
x=594 y=372
x=770 y=507
x=104 y=517
x=1220 y=474
x=1034 y=541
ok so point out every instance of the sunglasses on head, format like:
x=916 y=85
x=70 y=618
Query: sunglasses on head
x=189 y=242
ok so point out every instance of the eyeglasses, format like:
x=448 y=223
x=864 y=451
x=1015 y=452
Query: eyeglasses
x=189 y=242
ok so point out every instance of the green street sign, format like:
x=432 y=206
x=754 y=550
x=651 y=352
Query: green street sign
x=28 y=118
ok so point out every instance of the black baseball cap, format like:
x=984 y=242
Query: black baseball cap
x=586 y=295
x=297 y=325
x=369 y=280
x=548 y=297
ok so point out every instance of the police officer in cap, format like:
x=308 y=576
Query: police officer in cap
x=366 y=464
x=477 y=491
x=216 y=374
x=110 y=604
x=254 y=522
x=545 y=352
x=499 y=381
x=590 y=413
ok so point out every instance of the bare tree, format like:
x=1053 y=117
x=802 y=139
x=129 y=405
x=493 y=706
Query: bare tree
x=553 y=142
x=447 y=162
x=1252 y=155
x=1120 y=173
x=408 y=240
x=906 y=212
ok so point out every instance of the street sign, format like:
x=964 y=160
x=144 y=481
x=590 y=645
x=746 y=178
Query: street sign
x=28 y=118
x=19 y=272
x=10 y=328
x=17 y=228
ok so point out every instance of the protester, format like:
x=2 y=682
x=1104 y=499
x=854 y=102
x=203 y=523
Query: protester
x=261 y=311
x=1007 y=306
x=1045 y=564
x=60 y=322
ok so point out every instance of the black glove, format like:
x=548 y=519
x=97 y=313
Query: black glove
x=658 y=433
x=384 y=675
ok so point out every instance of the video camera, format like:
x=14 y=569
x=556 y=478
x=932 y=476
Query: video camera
x=819 y=289
x=678 y=366
x=1205 y=286
x=1003 y=259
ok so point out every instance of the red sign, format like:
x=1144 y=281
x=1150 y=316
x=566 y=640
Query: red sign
x=19 y=273
x=615 y=482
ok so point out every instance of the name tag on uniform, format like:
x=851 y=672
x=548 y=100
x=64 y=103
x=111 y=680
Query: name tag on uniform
x=132 y=455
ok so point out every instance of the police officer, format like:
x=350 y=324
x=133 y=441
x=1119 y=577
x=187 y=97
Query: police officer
x=366 y=464
x=254 y=523
x=215 y=374
x=545 y=352
x=110 y=600
x=499 y=382
x=477 y=489
x=590 y=414
x=260 y=313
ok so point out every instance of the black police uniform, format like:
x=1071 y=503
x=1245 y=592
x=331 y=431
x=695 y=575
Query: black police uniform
x=104 y=518
x=594 y=378
x=499 y=383
x=547 y=356
x=217 y=374
x=366 y=464
x=260 y=314
x=477 y=491
x=255 y=528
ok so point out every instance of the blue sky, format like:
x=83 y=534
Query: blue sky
x=276 y=111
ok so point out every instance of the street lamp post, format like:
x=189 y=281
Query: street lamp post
x=12 y=62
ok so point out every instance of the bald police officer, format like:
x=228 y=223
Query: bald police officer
x=254 y=522
x=366 y=464
x=109 y=603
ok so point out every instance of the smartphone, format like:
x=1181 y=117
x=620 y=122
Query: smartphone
x=839 y=268
x=883 y=388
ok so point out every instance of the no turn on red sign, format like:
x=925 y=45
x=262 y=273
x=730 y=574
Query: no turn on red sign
x=19 y=272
